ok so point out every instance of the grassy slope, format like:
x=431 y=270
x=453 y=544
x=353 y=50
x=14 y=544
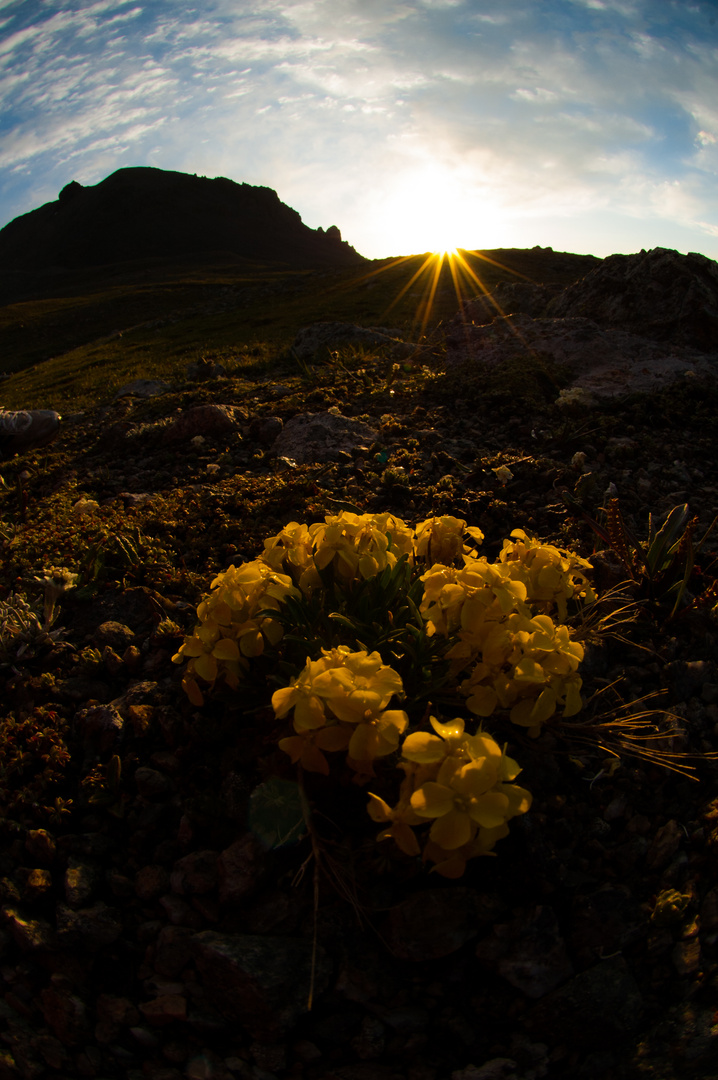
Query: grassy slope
x=79 y=345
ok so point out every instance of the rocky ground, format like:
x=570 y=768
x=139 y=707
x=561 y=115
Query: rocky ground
x=147 y=929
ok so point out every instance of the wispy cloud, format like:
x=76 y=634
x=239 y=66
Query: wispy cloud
x=520 y=124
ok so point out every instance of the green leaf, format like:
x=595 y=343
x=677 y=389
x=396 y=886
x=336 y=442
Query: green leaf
x=344 y=620
x=667 y=537
x=277 y=813
x=683 y=585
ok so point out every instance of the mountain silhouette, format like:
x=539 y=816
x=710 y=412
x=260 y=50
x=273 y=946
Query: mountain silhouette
x=145 y=213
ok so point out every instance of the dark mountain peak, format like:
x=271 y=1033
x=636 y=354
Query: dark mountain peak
x=140 y=212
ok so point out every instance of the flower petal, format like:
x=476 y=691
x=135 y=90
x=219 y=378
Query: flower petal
x=377 y=809
x=292 y=745
x=482 y=701
x=283 y=700
x=364 y=743
x=490 y=810
x=452 y=830
x=206 y=667
x=454 y=729
x=422 y=747
x=432 y=800
x=192 y=690
x=226 y=649
x=313 y=760
x=309 y=713
x=405 y=838
x=336 y=737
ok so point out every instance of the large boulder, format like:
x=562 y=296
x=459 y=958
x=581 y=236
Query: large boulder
x=605 y=362
x=319 y=437
x=634 y=324
x=260 y=983
x=657 y=294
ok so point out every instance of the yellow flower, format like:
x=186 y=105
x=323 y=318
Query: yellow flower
x=362 y=684
x=442 y=601
x=440 y=539
x=205 y=648
x=466 y=797
x=356 y=687
x=377 y=735
x=301 y=695
x=306 y=749
x=552 y=576
x=229 y=629
x=400 y=536
x=399 y=820
x=450 y=740
x=290 y=550
x=359 y=544
x=452 y=864
x=527 y=665
x=249 y=588
x=334 y=543
x=466 y=600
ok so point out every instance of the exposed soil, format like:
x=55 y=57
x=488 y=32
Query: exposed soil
x=586 y=948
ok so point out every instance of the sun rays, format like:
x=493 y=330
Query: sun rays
x=454 y=269
x=424 y=291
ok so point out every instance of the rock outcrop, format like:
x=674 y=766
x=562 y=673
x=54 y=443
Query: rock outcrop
x=635 y=323
x=657 y=294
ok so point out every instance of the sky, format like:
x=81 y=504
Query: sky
x=588 y=126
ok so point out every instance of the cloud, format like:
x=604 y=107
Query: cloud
x=558 y=109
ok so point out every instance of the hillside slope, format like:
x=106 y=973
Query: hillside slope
x=144 y=213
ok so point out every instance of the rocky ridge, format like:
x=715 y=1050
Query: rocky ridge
x=149 y=215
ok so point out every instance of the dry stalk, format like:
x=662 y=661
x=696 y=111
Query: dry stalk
x=333 y=871
x=628 y=730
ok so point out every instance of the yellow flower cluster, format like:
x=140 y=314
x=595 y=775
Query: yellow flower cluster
x=461 y=783
x=551 y=576
x=355 y=545
x=340 y=703
x=230 y=628
x=519 y=659
x=505 y=651
x=359 y=546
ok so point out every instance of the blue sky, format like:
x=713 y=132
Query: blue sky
x=587 y=125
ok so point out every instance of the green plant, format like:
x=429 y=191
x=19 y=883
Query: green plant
x=101 y=786
x=56 y=581
x=22 y=631
x=348 y=608
x=34 y=756
x=661 y=566
x=669 y=907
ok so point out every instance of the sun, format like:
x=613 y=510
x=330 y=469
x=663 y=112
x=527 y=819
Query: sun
x=440 y=222
x=434 y=207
